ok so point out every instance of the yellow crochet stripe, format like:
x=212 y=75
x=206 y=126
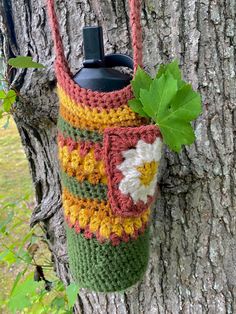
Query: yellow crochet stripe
x=76 y=122
x=98 y=217
x=95 y=119
x=83 y=168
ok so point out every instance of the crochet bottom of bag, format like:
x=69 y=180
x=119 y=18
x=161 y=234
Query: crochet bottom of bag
x=104 y=267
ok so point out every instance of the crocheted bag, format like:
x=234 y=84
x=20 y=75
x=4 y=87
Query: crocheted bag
x=109 y=162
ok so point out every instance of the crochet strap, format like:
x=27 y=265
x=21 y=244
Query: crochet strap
x=136 y=31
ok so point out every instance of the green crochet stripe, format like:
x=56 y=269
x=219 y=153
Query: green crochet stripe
x=84 y=189
x=78 y=134
x=104 y=267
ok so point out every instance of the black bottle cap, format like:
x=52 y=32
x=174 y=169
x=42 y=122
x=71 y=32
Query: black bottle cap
x=98 y=73
x=93 y=46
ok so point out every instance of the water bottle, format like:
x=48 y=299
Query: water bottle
x=98 y=73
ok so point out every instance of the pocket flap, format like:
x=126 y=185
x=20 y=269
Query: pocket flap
x=132 y=156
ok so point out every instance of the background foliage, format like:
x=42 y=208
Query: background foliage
x=28 y=282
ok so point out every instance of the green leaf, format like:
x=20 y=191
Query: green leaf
x=23 y=293
x=24 y=63
x=161 y=71
x=8 y=256
x=18 y=303
x=136 y=106
x=59 y=286
x=16 y=281
x=9 y=100
x=176 y=133
x=170 y=102
x=24 y=256
x=28 y=286
x=159 y=95
x=186 y=104
x=5 y=222
x=141 y=80
x=175 y=123
x=150 y=106
x=2 y=94
x=173 y=69
x=72 y=292
x=58 y=302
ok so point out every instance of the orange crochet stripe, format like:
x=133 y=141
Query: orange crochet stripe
x=82 y=167
x=96 y=218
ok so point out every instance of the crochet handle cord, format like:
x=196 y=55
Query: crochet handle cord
x=109 y=161
x=136 y=33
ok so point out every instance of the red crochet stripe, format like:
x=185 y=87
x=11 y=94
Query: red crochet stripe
x=115 y=240
x=89 y=98
x=84 y=146
x=117 y=140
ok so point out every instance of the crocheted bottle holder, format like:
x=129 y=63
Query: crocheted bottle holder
x=109 y=162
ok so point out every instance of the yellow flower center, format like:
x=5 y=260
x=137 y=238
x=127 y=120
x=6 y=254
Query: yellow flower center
x=148 y=171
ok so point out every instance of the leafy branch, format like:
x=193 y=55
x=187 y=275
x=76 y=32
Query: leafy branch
x=35 y=289
x=8 y=96
x=169 y=102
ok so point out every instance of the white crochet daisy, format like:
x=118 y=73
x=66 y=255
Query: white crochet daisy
x=140 y=170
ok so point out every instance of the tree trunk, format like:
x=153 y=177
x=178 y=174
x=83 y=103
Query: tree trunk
x=193 y=253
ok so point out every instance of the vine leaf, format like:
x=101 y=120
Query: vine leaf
x=136 y=105
x=169 y=101
x=2 y=94
x=24 y=63
x=8 y=100
x=156 y=99
x=141 y=80
x=72 y=292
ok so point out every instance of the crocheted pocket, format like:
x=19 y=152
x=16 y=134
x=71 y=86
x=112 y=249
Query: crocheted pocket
x=132 y=158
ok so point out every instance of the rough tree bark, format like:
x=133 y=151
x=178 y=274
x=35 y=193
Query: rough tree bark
x=192 y=267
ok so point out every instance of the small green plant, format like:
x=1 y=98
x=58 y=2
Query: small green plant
x=8 y=95
x=35 y=288
x=24 y=253
x=169 y=102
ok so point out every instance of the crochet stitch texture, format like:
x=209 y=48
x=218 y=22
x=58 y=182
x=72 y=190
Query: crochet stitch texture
x=109 y=162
